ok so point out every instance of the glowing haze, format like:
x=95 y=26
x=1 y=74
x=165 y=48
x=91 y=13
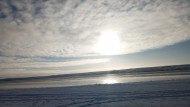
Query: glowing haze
x=43 y=32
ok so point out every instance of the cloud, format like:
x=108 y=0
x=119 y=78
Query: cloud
x=46 y=37
x=12 y=67
x=38 y=64
x=71 y=28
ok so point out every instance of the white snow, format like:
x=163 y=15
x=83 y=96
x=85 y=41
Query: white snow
x=167 y=93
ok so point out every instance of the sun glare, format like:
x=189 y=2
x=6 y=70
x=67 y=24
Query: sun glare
x=110 y=81
x=108 y=43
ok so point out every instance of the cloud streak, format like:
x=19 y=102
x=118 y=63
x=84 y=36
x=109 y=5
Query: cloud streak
x=39 y=67
x=71 y=28
x=43 y=37
x=37 y=64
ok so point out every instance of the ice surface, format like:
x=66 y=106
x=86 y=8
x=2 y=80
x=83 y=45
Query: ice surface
x=168 y=93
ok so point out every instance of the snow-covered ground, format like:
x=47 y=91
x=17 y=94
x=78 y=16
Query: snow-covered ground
x=167 y=93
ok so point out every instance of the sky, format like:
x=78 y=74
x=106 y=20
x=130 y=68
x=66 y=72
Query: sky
x=51 y=37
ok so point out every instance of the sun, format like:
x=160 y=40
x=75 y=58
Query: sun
x=108 y=43
x=110 y=81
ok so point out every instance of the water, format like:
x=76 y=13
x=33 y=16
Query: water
x=100 y=79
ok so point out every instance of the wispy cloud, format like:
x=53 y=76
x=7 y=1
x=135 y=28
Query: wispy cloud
x=71 y=28
x=38 y=67
x=15 y=65
x=34 y=31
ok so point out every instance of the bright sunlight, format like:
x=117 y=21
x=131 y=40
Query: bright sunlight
x=110 y=81
x=108 y=43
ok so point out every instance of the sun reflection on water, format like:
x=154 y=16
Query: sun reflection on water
x=110 y=81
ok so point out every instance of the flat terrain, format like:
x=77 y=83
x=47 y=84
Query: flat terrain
x=168 y=93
